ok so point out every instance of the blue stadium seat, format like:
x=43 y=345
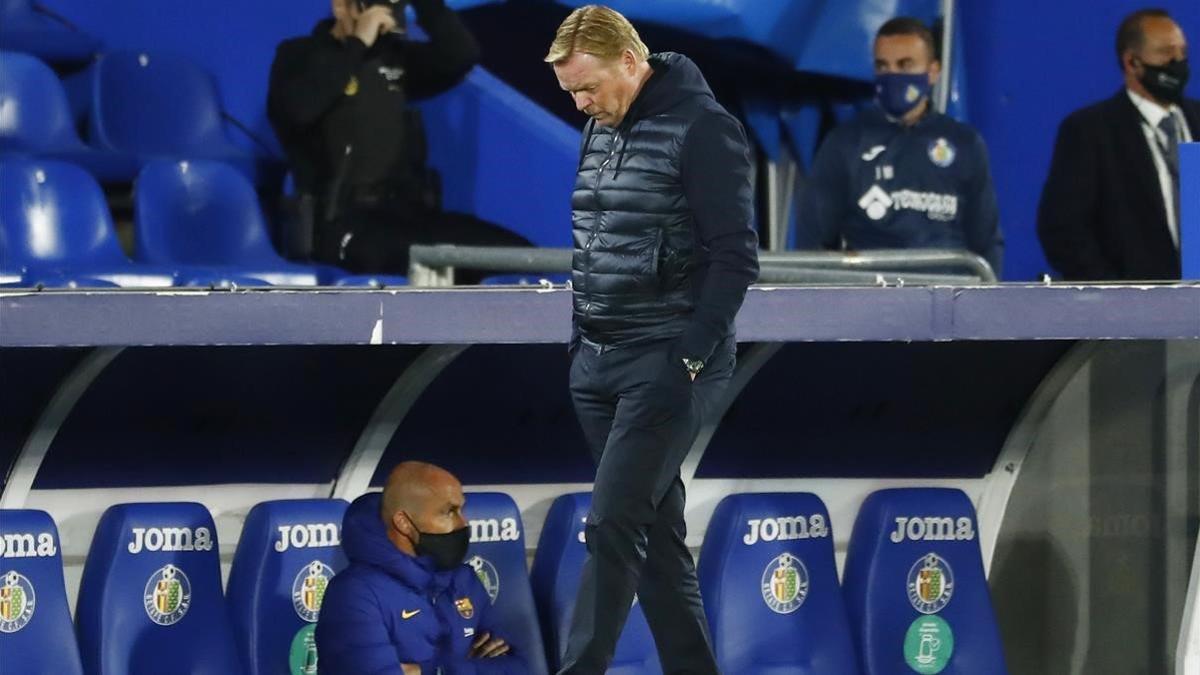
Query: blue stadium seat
x=557 y=565
x=35 y=622
x=497 y=553
x=150 y=602
x=30 y=29
x=204 y=213
x=37 y=120
x=287 y=553
x=37 y=280
x=371 y=281
x=54 y=223
x=771 y=590
x=36 y=115
x=915 y=588
x=177 y=113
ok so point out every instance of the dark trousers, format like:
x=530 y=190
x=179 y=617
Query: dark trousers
x=640 y=413
x=375 y=239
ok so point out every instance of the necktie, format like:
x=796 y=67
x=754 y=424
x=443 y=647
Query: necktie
x=1171 y=148
x=1170 y=151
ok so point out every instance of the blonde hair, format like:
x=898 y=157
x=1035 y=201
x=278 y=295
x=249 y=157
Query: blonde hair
x=596 y=30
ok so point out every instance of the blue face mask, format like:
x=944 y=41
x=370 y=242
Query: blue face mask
x=899 y=93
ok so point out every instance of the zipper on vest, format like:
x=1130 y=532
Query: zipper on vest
x=587 y=248
x=612 y=151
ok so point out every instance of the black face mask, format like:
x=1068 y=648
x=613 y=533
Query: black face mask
x=447 y=550
x=1166 y=82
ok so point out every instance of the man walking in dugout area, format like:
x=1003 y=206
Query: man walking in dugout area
x=664 y=249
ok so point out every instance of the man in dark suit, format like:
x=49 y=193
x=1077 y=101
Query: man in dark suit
x=1110 y=207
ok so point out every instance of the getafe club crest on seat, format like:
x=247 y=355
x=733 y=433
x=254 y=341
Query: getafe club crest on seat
x=168 y=595
x=17 y=601
x=785 y=584
x=308 y=590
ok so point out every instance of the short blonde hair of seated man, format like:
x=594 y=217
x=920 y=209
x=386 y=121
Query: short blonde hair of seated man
x=597 y=30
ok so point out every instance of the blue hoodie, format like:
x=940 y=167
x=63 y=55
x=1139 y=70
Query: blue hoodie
x=876 y=184
x=389 y=608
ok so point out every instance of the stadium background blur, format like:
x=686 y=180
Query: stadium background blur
x=1027 y=65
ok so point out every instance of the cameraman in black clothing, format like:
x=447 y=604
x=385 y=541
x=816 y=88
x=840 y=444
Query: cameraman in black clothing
x=338 y=101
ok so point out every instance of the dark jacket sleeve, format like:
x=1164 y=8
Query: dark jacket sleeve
x=1067 y=211
x=824 y=200
x=308 y=77
x=441 y=63
x=718 y=182
x=981 y=221
x=351 y=636
x=511 y=663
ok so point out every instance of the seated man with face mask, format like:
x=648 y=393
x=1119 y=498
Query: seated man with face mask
x=407 y=604
x=902 y=175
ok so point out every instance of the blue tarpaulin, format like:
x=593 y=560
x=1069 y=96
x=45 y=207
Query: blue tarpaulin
x=1189 y=221
x=828 y=37
x=823 y=38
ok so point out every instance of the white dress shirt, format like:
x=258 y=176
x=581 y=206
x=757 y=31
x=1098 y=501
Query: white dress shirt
x=1152 y=113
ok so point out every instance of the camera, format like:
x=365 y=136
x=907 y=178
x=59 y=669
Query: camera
x=398 y=8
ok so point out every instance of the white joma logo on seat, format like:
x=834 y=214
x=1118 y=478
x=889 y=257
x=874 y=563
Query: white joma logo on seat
x=785 y=529
x=493 y=530
x=932 y=529
x=27 y=545
x=310 y=535
x=170 y=539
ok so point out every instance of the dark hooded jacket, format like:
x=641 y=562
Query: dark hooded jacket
x=389 y=608
x=338 y=107
x=663 y=218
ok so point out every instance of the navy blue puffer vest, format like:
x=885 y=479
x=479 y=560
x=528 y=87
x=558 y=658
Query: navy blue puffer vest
x=635 y=248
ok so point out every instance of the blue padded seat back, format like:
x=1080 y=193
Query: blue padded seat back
x=770 y=587
x=200 y=212
x=54 y=214
x=288 y=552
x=150 y=601
x=498 y=555
x=915 y=587
x=154 y=104
x=34 y=113
x=26 y=27
x=35 y=621
x=557 y=566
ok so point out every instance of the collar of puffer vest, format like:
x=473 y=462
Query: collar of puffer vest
x=676 y=79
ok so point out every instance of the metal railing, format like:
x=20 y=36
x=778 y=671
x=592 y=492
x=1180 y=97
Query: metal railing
x=435 y=265
x=922 y=260
x=797 y=274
